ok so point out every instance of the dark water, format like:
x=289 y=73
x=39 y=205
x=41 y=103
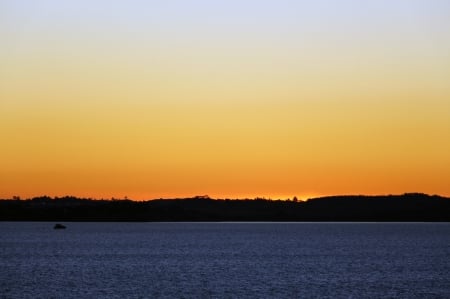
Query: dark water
x=225 y=260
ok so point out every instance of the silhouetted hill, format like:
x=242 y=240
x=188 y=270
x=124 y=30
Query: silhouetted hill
x=406 y=207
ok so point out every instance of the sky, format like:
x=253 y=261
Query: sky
x=236 y=98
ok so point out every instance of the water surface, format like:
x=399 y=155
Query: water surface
x=225 y=260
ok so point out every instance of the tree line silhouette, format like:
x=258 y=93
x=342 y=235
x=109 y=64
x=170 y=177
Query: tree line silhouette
x=406 y=207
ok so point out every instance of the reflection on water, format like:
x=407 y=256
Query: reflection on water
x=225 y=260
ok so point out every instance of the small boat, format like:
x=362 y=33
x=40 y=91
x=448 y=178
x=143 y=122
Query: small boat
x=59 y=226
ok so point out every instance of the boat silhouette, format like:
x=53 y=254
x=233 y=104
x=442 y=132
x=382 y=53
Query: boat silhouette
x=59 y=226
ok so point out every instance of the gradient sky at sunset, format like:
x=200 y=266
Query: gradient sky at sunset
x=235 y=98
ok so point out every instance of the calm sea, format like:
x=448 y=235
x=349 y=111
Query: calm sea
x=225 y=260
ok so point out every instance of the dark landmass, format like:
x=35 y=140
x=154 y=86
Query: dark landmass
x=406 y=207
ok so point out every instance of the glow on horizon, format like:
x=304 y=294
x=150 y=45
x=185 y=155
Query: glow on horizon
x=150 y=99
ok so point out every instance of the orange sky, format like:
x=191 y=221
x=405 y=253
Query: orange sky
x=272 y=99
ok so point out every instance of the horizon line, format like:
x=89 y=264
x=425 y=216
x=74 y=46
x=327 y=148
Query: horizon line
x=293 y=198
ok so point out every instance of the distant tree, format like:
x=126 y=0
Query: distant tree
x=295 y=199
